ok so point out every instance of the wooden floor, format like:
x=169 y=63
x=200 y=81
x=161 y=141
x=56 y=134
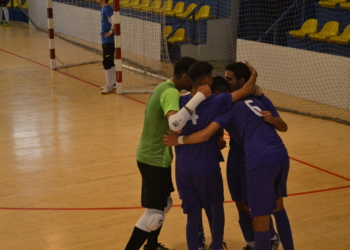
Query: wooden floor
x=68 y=178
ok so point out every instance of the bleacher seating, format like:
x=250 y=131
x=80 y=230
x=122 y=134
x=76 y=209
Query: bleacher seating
x=157 y=4
x=329 y=29
x=345 y=5
x=309 y=27
x=344 y=38
x=188 y=10
x=166 y=31
x=203 y=13
x=144 y=4
x=132 y=3
x=168 y=5
x=179 y=36
x=179 y=8
x=330 y=3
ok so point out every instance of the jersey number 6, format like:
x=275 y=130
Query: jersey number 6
x=255 y=109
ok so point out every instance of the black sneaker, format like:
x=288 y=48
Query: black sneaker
x=201 y=239
x=275 y=243
x=159 y=247
x=222 y=248
x=248 y=248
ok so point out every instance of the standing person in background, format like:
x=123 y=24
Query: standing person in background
x=107 y=37
x=6 y=12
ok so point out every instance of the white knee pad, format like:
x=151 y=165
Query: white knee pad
x=168 y=207
x=151 y=220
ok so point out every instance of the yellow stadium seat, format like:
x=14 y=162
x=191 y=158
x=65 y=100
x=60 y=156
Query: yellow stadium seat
x=309 y=27
x=157 y=4
x=329 y=29
x=124 y=2
x=203 y=13
x=168 y=5
x=188 y=10
x=167 y=30
x=344 y=38
x=132 y=3
x=144 y=4
x=15 y=4
x=345 y=5
x=179 y=8
x=179 y=36
x=330 y=3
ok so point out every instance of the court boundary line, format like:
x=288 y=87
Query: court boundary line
x=124 y=208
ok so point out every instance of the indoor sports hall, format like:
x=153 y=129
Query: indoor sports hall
x=68 y=173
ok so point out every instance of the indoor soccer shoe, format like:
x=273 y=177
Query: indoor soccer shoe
x=6 y=24
x=275 y=243
x=106 y=90
x=222 y=248
x=201 y=239
x=159 y=247
x=248 y=248
x=114 y=87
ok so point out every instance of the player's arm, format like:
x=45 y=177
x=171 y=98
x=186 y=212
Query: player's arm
x=110 y=16
x=178 y=119
x=173 y=139
x=248 y=88
x=221 y=140
x=271 y=115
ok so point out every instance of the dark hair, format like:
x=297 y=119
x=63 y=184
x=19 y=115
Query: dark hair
x=220 y=85
x=199 y=70
x=240 y=70
x=183 y=65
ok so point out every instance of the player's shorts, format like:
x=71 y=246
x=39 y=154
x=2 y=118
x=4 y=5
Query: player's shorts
x=199 y=190
x=265 y=185
x=108 y=55
x=2 y=3
x=157 y=186
x=237 y=181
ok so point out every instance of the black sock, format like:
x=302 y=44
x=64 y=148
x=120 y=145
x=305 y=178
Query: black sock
x=137 y=239
x=152 y=241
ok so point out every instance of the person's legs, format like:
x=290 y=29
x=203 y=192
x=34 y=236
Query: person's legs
x=218 y=225
x=7 y=14
x=193 y=218
x=283 y=226
x=108 y=64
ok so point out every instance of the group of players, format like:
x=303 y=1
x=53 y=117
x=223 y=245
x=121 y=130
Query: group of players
x=4 y=9
x=257 y=164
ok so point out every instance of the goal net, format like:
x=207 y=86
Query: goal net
x=300 y=71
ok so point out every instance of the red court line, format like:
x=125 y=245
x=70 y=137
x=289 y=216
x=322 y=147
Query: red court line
x=128 y=208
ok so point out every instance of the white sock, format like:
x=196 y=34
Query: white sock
x=274 y=237
x=6 y=12
x=111 y=77
x=251 y=244
x=107 y=77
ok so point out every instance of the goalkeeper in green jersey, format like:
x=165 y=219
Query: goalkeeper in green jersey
x=154 y=158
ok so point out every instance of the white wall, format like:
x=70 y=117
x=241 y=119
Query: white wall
x=309 y=75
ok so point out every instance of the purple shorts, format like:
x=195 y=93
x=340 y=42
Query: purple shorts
x=199 y=190
x=265 y=185
x=237 y=181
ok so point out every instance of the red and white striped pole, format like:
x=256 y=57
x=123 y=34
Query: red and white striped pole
x=118 y=45
x=51 y=35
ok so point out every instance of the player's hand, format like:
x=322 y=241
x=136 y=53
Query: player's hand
x=107 y=34
x=257 y=91
x=170 y=139
x=251 y=69
x=222 y=144
x=205 y=89
x=268 y=117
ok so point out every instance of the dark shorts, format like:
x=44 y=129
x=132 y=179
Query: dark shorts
x=199 y=190
x=265 y=185
x=157 y=186
x=108 y=55
x=237 y=181
x=2 y=3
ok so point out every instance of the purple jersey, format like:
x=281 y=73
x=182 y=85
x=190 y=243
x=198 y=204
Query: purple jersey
x=194 y=158
x=257 y=138
x=236 y=154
